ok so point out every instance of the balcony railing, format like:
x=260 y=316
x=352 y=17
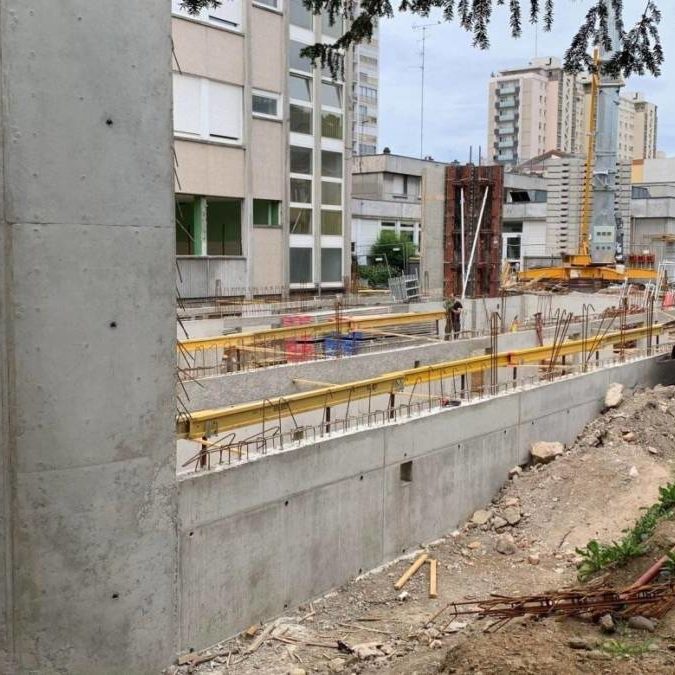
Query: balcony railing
x=209 y=276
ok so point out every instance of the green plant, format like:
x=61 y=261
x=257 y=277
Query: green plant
x=596 y=556
x=375 y=275
x=618 y=648
x=394 y=248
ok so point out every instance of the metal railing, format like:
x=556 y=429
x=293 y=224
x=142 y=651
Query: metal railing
x=228 y=449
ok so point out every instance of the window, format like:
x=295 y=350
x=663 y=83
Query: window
x=333 y=31
x=331 y=164
x=207 y=109
x=265 y=213
x=368 y=92
x=363 y=111
x=406 y=472
x=366 y=149
x=331 y=94
x=300 y=265
x=185 y=226
x=301 y=119
x=331 y=265
x=227 y=15
x=300 y=88
x=301 y=191
x=300 y=15
x=301 y=160
x=331 y=193
x=295 y=61
x=265 y=104
x=274 y=4
x=331 y=222
x=223 y=226
x=331 y=125
x=300 y=221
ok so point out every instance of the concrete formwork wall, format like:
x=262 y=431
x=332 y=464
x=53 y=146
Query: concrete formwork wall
x=307 y=520
x=87 y=473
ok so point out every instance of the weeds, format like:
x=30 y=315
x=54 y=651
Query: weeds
x=597 y=556
x=618 y=648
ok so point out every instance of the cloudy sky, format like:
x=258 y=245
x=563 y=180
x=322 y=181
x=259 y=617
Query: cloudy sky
x=457 y=74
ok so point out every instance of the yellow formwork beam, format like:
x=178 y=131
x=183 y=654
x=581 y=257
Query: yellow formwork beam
x=219 y=420
x=258 y=337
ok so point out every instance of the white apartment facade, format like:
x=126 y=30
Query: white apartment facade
x=541 y=108
x=365 y=95
x=531 y=110
x=260 y=144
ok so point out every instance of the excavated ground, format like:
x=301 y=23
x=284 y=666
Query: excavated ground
x=595 y=490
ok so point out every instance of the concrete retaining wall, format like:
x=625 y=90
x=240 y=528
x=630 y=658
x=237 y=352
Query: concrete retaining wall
x=264 y=536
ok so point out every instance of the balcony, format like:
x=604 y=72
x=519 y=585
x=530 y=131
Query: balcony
x=506 y=144
x=503 y=131
x=210 y=276
x=507 y=89
x=509 y=102
x=509 y=116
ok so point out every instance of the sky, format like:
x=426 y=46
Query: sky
x=457 y=75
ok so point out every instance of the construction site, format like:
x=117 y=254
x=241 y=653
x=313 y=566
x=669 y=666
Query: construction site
x=472 y=478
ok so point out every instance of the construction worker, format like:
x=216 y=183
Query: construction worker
x=453 y=317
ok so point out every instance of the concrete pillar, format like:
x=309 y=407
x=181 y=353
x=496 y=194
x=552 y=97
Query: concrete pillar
x=87 y=332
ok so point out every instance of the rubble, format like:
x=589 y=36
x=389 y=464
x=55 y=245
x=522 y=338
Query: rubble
x=506 y=544
x=481 y=517
x=614 y=395
x=545 y=452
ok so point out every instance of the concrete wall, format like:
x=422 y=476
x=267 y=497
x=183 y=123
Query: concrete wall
x=307 y=520
x=88 y=524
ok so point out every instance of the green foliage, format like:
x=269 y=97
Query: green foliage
x=196 y=6
x=639 y=49
x=375 y=275
x=397 y=250
x=597 y=556
x=618 y=648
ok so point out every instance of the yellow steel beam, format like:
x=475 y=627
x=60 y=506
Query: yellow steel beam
x=259 y=337
x=219 y=420
x=588 y=272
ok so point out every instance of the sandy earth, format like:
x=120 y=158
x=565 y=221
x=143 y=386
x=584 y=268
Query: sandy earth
x=594 y=490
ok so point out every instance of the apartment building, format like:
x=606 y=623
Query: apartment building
x=365 y=87
x=260 y=145
x=540 y=108
x=531 y=110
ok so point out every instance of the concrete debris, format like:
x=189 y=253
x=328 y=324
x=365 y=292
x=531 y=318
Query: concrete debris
x=481 y=517
x=544 y=452
x=607 y=624
x=296 y=671
x=435 y=644
x=474 y=545
x=511 y=501
x=629 y=436
x=455 y=626
x=512 y=515
x=498 y=522
x=653 y=451
x=505 y=544
x=516 y=471
x=633 y=473
x=614 y=395
x=368 y=650
x=402 y=596
x=533 y=558
x=641 y=623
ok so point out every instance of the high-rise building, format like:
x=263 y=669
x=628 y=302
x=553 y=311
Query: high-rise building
x=540 y=108
x=365 y=91
x=260 y=144
x=532 y=110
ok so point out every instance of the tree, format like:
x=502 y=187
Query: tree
x=397 y=249
x=639 y=50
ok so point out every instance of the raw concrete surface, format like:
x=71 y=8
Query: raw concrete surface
x=87 y=306
x=306 y=520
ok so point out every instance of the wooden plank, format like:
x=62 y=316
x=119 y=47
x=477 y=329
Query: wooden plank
x=433 y=591
x=410 y=571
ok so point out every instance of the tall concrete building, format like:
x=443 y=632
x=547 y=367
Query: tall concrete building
x=532 y=110
x=365 y=88
x=540 y=108
x=260 y=142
